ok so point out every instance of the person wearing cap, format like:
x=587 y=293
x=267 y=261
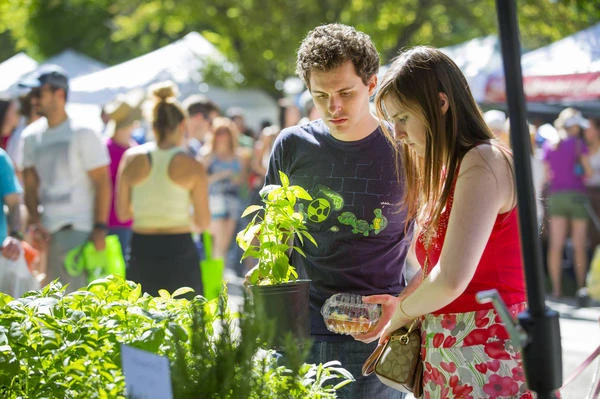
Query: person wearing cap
x=65 y=172
x=567 y=167
x=123 y=114
x=496 y=121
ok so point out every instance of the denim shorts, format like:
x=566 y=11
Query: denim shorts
x=568 y=204
x=352 y=355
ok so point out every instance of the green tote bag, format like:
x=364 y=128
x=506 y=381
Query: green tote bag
x=211 y=270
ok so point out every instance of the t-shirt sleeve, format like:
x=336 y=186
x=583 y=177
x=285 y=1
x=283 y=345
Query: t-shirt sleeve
x=92 y=149
x=8 y=180
x=28 y=150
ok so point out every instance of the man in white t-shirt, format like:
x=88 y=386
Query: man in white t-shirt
x=65 y=172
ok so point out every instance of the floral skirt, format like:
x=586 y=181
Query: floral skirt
x=470 y=356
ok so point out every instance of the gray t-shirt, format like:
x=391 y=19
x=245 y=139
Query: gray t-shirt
x=355 y=215
x=62 y=157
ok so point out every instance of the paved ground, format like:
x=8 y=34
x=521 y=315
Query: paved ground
x=580 y=336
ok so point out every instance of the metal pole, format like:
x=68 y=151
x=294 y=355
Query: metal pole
x=542 y=358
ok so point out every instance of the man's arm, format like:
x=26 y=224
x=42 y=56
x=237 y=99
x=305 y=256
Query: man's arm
x=102 y=195
x=31 y=182
x=13 y=218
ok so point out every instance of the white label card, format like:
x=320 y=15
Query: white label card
x=147 y=375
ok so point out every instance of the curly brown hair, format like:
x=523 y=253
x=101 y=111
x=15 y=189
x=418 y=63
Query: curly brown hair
x=328 y=46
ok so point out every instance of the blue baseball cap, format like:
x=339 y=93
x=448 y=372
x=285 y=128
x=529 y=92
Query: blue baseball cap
x=52 y=75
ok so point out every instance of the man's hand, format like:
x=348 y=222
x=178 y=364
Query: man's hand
x=388 y=303
x=40 y=237
x=11 y=248
x=98 y=237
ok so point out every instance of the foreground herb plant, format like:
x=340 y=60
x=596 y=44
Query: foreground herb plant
x=58 y=345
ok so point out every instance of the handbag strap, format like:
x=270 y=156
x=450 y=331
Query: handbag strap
x=369 y=365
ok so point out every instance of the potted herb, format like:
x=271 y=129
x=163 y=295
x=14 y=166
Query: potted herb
x=269 y=237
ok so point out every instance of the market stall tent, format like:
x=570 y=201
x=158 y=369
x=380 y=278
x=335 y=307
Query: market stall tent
x=182 y=62
x=566 y=72
x=12 y=70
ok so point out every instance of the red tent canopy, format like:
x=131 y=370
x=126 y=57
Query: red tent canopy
x=571 y=87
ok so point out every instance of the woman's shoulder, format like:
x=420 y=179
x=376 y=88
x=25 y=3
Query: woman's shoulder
x=489 y=155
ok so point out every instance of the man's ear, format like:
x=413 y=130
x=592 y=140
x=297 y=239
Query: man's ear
x=444 y=102
x=372 y=85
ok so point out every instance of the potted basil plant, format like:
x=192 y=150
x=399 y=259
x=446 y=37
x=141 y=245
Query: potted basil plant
x=269 y=237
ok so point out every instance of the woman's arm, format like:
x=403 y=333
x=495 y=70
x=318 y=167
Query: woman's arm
x=123 y=194
x=199 y=198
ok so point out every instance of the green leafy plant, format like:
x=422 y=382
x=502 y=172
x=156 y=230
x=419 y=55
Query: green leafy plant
x=59 y=345
x=270 y=234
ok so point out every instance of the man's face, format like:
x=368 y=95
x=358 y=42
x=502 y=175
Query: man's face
x=44 y=100
x=198 y=126
x=343 y=100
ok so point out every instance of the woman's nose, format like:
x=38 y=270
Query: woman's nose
x=398 y=132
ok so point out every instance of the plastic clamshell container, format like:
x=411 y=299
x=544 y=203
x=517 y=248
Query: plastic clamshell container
x=347 y=314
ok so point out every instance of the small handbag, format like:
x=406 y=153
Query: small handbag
x=397 y=363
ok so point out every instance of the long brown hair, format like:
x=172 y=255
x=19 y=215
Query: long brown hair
x=415 y=80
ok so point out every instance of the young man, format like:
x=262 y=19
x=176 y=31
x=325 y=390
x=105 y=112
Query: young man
x=344 y=161
x=65 y=170
x=201 y=111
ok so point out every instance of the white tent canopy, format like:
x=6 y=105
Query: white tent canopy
x=75 y=64
x=180 y=62
x=13 y=69
x=476 y=58
x=578 y=53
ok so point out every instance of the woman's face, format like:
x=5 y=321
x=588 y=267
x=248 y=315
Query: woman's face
x=592 y=133
x=11 y=120
x=408 y=127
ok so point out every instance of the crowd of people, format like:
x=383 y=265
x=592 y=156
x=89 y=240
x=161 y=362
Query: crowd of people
x=183 y=169
x=413 y=166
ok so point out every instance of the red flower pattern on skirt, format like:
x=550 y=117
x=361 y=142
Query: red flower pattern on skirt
x=470 y=356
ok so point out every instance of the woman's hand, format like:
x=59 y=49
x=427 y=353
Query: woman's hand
x=397 y=321
x=388 y=303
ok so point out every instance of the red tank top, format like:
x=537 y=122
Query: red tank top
x=500 y=267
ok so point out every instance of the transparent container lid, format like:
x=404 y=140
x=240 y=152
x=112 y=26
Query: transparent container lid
x=345 y=313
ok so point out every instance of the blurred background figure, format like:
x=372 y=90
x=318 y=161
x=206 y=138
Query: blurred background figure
x=567 y=167
x=538 y=170
x=123 y=116
x=201 y=111
x=226 y=174
x=496 y=121
x=157 y=186
x=9 y=121
x=246 y=135
x=289 y=113
x=65 y=173
x=592 y=139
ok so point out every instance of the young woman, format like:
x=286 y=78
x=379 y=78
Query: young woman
x=165 y=191
x=226 y=172
x=567 y=167
x=123 y=116
x=461 y=191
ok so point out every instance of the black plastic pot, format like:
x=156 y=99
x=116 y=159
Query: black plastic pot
x=286 y=305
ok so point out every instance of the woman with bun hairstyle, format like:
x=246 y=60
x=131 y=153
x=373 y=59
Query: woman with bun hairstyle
x=461 y=191
x=165 y=192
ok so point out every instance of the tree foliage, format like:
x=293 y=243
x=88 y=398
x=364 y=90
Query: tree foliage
x=262 y=36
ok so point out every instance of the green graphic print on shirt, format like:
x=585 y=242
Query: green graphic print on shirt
x=327 y=202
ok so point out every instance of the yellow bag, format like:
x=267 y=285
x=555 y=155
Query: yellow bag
x=593 y=277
